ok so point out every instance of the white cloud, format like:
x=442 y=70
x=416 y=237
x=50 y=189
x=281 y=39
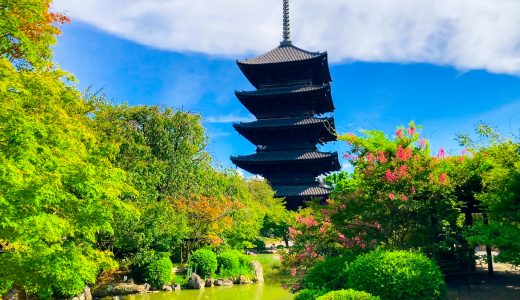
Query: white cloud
x=467 y=34
x=229 y=118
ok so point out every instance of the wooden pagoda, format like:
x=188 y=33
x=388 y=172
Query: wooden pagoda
x=291 y=98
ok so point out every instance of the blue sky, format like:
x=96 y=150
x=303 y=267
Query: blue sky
x=380 y=93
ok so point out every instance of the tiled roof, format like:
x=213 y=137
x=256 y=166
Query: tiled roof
x=282 y=54
x=269 y=156
x=284 y=90
x=300 y=190
x=286 y=122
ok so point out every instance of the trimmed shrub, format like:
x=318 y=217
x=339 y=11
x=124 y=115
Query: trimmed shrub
x=203 y=262
x=228 y=264
x=159 y=272
x=307 y=294
x=152 y=267
x=233 y=263
x=347 y=295
x=329 y=275
x=397 y=275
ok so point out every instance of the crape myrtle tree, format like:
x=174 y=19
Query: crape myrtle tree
x=398 y=196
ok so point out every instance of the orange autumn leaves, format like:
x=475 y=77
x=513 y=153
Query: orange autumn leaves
x=208 y=217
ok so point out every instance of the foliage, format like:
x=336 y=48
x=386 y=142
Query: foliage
x=307 y=294
x=496 y=164
x=228 y=264
x=328 y=275
x=396 y=275
x=28 y=31
x=233 y=263
x=159 y=272
x=348 y=295
x=204 y=262
x=58 y=190
x=398 y=195
x=152 y=267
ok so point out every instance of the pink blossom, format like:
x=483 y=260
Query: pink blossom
x=381 y=157
x=411 y=130
x=399 y=133
x=389 y=176
x=404 y=198
x=422 y=143
x=342 y=237
x=403 y=154
x=402 y=171
x=441 y=153
x=391 y=196
x=443 y=178
x=370 y=157
x=293 y=272
x=308 y=249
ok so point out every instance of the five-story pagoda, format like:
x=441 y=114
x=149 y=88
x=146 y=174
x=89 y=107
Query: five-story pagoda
x=292 y=95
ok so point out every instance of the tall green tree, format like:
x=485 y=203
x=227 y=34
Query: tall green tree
x=58 y=189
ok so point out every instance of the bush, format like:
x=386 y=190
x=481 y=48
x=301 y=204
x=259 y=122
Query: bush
x=259 y=244
x=234 y=263
x=329 y=275
x=204 y=262
x=159 y=272
x=228 y=264
x=152 y=267
x=396 y=275
x=347 y=295
x=307 y=294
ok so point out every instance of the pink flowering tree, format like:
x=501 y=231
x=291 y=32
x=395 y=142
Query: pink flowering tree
x=399 y=194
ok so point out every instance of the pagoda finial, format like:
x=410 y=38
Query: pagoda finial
x=286 y=25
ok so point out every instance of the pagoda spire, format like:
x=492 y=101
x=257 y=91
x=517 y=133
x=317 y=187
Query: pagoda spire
x=286 y=25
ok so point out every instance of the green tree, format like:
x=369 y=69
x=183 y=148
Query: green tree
x=27 y=31
x=58 y=190
x=496 y=162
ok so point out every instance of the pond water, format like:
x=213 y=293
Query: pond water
x=269 y=290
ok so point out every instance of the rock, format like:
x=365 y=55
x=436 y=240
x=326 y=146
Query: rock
x=119 y=289
x=242 y=280
x=147 y=287
x=176 y=287
x=195 y=282
x=227 y=282
x=167 y=288
x=219 y=282
x=209 y=282
x=258 y=271
x=86 y=295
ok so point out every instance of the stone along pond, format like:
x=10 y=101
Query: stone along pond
x=270 y=289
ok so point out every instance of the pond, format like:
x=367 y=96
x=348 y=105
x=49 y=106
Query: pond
x=269 y=290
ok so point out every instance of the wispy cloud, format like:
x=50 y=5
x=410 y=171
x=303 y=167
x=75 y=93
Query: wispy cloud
x=467 y=34
x=229 y=118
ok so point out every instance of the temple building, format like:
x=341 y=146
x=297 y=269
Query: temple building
x=293 y=107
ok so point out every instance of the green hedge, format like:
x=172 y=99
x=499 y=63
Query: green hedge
x=228 y=264
x=307 y=294
x=152 y=267
x=204 y=262
x=396 y=275
x=234 y=263
x=329 y=275
x=347 y=295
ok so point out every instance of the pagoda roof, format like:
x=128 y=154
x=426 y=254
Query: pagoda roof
x=300 y=190
x=284 y=122
x=287 y=100
x=284 y=156
x=282 y=54
x=284 y=90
